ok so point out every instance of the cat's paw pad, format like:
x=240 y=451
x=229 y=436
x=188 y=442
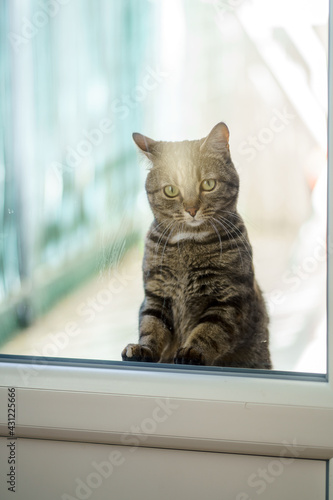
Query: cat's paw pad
x=189 y=356
x=137 y=352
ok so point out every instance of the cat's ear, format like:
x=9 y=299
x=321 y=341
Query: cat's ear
x=145 y=144
x=218 y=139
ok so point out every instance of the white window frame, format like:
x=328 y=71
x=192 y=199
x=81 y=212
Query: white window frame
x=251 y=412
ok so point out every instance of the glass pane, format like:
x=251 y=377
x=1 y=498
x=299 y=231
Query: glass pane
x=77 y=78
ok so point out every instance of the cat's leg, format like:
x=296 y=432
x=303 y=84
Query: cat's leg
x=155 y=333
x=206 y=342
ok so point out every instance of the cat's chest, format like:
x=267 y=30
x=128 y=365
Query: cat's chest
x=185 y=269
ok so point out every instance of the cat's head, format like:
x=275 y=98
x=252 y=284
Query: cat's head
x=190 y=182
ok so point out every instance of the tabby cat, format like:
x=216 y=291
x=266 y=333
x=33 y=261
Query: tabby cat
x=202 y=303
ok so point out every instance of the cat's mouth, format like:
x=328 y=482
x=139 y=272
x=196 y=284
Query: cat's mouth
x=194 y=222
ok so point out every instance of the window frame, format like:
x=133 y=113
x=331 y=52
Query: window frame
x=230 y=412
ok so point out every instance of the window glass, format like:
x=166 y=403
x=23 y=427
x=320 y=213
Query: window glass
x=77 y=78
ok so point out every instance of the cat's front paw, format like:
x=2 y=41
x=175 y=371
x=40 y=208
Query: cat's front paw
x=137 y=352
x=189 y=356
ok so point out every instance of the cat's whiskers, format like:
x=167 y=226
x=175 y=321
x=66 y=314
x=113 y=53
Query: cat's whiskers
x=181 y=230
x=222 y=223
x=235 y=214
x=166 y=225
x=233 y=240
x=160 y=238
x=241 y=218
x=240 y=234
x=218 y=235
x=165 y=244
x=230 y=239
x=154 y=228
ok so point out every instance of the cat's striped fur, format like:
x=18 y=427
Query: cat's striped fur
x=202 y=303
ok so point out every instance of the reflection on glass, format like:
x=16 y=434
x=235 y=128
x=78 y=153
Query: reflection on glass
x=77 y=79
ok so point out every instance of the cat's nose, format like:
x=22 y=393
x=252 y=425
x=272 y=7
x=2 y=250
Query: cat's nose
x=192 y=211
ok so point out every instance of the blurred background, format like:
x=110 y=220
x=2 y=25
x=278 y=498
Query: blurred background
x=77 y=78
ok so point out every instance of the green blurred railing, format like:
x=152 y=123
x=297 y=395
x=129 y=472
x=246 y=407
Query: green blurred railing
x=70 y=99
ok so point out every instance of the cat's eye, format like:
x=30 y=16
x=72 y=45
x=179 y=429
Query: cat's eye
x=171 y=191
x=208 y=184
